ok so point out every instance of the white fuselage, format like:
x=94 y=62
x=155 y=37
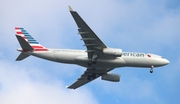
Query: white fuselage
x=79 y=57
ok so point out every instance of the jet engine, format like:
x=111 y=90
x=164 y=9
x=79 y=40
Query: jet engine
x=111 y=77
x=113 y=52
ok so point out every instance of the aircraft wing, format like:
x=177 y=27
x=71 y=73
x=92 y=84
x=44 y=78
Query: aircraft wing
x=84 y=78
x=91 y=40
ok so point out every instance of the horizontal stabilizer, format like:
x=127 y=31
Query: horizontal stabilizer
x=22 y=56
x=24 y=44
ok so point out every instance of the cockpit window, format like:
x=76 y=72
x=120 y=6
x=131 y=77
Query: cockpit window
x=163 y=57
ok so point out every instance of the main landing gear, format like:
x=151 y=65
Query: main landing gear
x=151 y=70
x=91 y=76
x=93 y=60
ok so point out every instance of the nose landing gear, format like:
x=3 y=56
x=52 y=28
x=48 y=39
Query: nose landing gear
x=151 y=70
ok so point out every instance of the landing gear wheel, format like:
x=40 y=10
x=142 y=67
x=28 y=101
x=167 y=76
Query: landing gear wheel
x=92 y=76
x=94 y=58
x=94 y=61
x=151 y=71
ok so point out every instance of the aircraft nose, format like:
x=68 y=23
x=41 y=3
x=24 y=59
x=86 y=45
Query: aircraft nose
x=166 y=61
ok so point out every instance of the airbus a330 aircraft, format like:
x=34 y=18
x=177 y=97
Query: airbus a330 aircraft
x=98 y=59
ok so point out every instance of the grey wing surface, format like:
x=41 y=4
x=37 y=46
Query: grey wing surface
x=94 y=46
x=91 y=40
x=84 y=78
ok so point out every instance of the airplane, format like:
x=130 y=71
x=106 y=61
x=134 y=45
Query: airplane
x=98 y=58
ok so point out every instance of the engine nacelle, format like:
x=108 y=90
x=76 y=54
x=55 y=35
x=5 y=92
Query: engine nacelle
x=111 y=77
x=113 y=52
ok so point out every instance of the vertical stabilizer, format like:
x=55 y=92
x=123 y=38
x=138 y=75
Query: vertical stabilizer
x=28 y=44
x=24 y=44
x=24 y=37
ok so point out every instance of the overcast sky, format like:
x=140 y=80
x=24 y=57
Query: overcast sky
x=150 y=26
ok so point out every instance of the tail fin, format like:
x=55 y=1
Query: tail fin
x=24 y=44
x=27 y=42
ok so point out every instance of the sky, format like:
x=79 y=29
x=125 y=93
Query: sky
x=150 y=26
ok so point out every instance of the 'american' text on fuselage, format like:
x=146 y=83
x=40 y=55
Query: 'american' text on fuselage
x=133 y=54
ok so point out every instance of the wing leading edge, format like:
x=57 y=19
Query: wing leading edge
x=91 y=40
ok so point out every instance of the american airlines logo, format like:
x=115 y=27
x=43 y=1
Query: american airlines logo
x=133 y=54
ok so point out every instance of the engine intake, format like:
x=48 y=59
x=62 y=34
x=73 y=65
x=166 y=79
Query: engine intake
x=113 y=52
x=111 y=77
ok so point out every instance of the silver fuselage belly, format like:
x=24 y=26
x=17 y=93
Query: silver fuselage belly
x=80 y=57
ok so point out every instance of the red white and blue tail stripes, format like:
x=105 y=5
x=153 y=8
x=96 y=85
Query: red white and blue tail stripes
x=33 y=43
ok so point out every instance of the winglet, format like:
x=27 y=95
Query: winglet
x=70 y=9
